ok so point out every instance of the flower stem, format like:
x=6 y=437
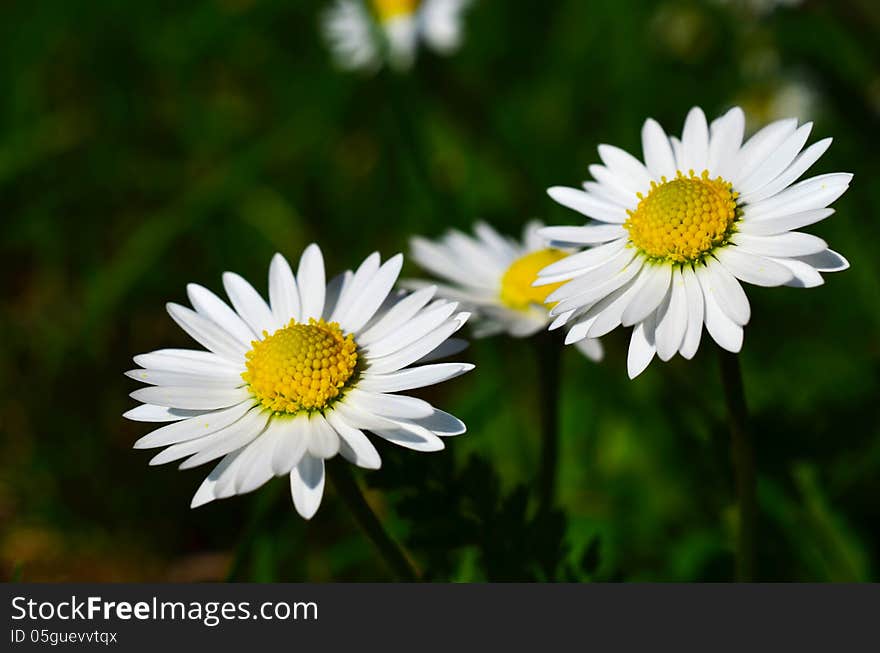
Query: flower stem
x=549 y=359
x=743 y=456
x=347 y=487
x=263 y=505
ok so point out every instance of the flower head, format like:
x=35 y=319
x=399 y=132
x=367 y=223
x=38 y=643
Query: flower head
x=493 y=276
x=284 y=385
x=362 y=34
x=672 y=238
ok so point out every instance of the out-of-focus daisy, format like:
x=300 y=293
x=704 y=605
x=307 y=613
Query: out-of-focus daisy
x=287 y=384
x=493 y=275
x=673 y=237
x=364 y=33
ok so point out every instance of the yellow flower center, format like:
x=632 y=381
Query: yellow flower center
x=683 y=219
x=517 y=291
x=300 y=367
x=389 y=9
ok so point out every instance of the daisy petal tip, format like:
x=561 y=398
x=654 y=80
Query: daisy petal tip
x=202 y=497
x=128 y=414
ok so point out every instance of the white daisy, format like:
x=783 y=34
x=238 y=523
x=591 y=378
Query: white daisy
x=674 y=236
x=363 y=33
x=493 y=275
x=288 y=384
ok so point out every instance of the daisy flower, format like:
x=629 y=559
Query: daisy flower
x=364 y=33
x=287 y=384
x=673 y=237
x=493 y=275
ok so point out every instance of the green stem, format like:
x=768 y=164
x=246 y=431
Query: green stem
x=743 y=455
x=264 y=502
x=549 y=358
x=347 y=487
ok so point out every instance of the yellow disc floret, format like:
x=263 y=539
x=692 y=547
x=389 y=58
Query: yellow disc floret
x=300 y=367
x=517 y=291
x=389 y=9
x=683 y=219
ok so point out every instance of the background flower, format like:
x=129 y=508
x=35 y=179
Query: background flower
x=145 y=147
x=494 y=275
x=362 y=33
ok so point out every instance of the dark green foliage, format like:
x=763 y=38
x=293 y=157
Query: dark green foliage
x=147 y=145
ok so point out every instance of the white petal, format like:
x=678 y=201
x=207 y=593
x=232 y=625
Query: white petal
x=778 y=160
x=726 y=134
x=695 y=304
x=236 y=434
x=255 y=468
x=445 y=349
x=576 y=264
x=413 y=377
x=695 y=142
x=579 y=330
x=312 y=282
x=803 y=163
x=716 y=280
x=793 y=243
x=193 y=398
x=397 y=315
x=649 y=296
x=759 y=147
x=440 y=423
x=502 y=247
x=411 y=436
x=783 y=224
x=355 y=446
x=814 y=193
x=608 y=311
x=672 y=326
x=588 y=205
x=727 y=333
x=593 y=277
x=193 y=428
x=323 y=440
x=283 y=291
x=805 y=276
x=364 y=307
x=641 y=348
x=355 y=287
x=307 y=485
x=658 y=153
x=227 y=440
x=413 y=330
x=421 y=347
x=161 y=377
x=753 y=269
x=625 y=165
x=591 y=348
x=215 y=309
x=621 y=188
x=249 y=304
x=336 y=289
x=600 y=290
x=388 y=405
x=591 y=234
x=189 y=361
x=150 y=413
x=205 y=493
x=291 y=443
x=206 y=333
x=827 y=261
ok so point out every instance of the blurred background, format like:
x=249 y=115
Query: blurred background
x=146 y=145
